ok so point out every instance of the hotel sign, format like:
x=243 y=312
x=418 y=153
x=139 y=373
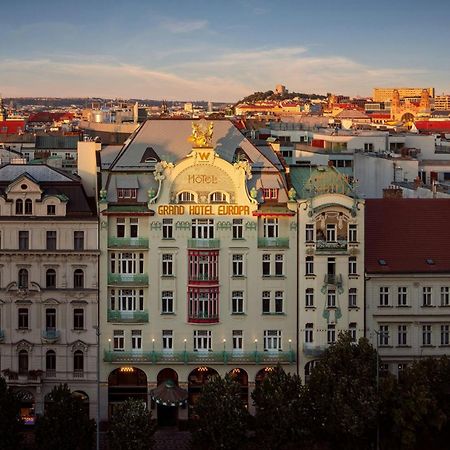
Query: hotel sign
x=204 y=210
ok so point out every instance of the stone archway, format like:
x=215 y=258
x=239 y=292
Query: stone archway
x=241 y=376
x=263 y=373
x=196 y=380
x=168 y=398
x=125 y=383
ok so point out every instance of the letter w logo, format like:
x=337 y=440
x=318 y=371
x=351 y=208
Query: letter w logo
x=203 y=155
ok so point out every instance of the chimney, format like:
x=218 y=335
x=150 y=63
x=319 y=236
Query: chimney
x=392 y=192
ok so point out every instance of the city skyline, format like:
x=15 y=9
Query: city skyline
x=212 y=51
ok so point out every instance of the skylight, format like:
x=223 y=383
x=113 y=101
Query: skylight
x=430 y=262
x=382 y=262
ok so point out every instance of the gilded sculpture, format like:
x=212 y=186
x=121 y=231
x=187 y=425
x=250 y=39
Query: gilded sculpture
x=201 y=137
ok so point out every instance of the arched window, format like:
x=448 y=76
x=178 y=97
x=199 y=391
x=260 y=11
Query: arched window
x=19 y=206
x=186 y=197
x=78 y=279
x=50 y=279
x=23 y=362
x=23 y=279
x=50 y=363
x=28 y=206
x=78 y=363
x=218 y=197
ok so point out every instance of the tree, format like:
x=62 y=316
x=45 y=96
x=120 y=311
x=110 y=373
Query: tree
x=222 y=416
x=9 y=418
x=65 y=424
x=131 y=426
x=342 y=395
x=279 y=410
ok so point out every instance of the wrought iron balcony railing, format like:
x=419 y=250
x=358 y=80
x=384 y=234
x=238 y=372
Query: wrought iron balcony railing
x=203 y=243
x=128 y=316
x=128 y=242
x=128 y=278
x=273 y=242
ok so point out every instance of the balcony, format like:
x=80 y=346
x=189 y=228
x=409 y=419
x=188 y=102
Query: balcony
x=203 y=318
x=50 y=335
x=339 y=246
x=203 y=243
x=312 y=350
x=128 y=278
x=184 y=357
x=116 y=242
x=127 y=316
x=273 y=242
x=203 y=277
x=333 y=280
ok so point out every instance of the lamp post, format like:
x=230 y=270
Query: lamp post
x=109 y=344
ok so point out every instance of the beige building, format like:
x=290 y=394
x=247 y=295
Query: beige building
x=385 y=94
x=198 y=265
x=442 y=102
x=48 y=270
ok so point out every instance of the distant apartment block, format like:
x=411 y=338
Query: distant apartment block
x=385 y=94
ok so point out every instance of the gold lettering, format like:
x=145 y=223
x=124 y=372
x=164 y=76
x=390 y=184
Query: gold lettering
x=203 y=155
x=202 y=179
x=172 y=210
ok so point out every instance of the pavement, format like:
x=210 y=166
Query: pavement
x=172 y=439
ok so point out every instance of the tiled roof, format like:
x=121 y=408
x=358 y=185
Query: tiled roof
x=11 y=126
x=433 y=125
x=407 y=236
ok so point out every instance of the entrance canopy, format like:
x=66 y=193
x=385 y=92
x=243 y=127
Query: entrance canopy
x=168 y=394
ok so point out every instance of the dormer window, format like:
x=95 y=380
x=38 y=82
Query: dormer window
x=19 y=206
x=186 y=197
x=126 y=194
x=218 y=197
x=28 y=206
x=270 y=193
x=51 y=210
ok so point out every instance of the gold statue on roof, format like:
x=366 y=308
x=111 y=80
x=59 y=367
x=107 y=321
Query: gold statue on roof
x=201 y=137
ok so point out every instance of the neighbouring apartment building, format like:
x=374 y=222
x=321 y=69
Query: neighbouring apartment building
x=48 y=273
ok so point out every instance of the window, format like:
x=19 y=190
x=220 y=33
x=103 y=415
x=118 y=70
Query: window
x=309 y=297
x=309 y=232
x=203 y=304
x=445 y=333
x=134 y=227
x=51 y=240
x=126 y=194
x=352 y=265
x=270 y=193
x=266 y=265
x=352 y=331
x=331 y=232
x=309 y=332
x=238 y=229
x=384 y=296
x=237 y=341
x=352 y=298
x=266 y=302
x=445 y=296
x=167 y=339
x=50 y=279
x=50 y=363
x=309 y=265
x=78 y=279
x=426 y=296
x=167 y=265
x=127 y=299
x=270 y=226
x=272 y=340
x=120 y=227
x=50 y=319
x=237 y=302
x=426 y=334
x=279 y=265
x=383 y=335
x=24 y=240
x=51 y=210
x=167 y=228
x=127 y=263
x=23 y=319
x=402 y=298
x=331 y=298
x=78 y=319
x=167 y=302
x=19 y=206
x=23 y=362
x=118 y=340
x=202 y=228
x=218 y=197
x=23 y=279
x=352 y=232
x=78 y=240
x=331 y=333
x=136 y=339
x=186 y=197
x=202 y=340
x=278 y=302
x=203 y=265
x=238 y=265
x=28 y=206
x=78 y=363
x=402 y=335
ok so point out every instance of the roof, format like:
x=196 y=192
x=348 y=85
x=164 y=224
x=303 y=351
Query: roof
x=405 y=234
x=433 y=125
x=11 y=126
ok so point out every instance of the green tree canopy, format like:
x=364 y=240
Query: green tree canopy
x=9 y=418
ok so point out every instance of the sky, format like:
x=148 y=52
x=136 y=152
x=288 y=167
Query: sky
x=220 y=50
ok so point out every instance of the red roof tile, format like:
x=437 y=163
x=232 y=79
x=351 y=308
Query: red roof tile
x=433 y=125
x=11 y=126
x=405 y=233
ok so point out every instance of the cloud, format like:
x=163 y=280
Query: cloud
x=183 y=26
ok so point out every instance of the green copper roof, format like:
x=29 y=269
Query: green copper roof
x=326 y=180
